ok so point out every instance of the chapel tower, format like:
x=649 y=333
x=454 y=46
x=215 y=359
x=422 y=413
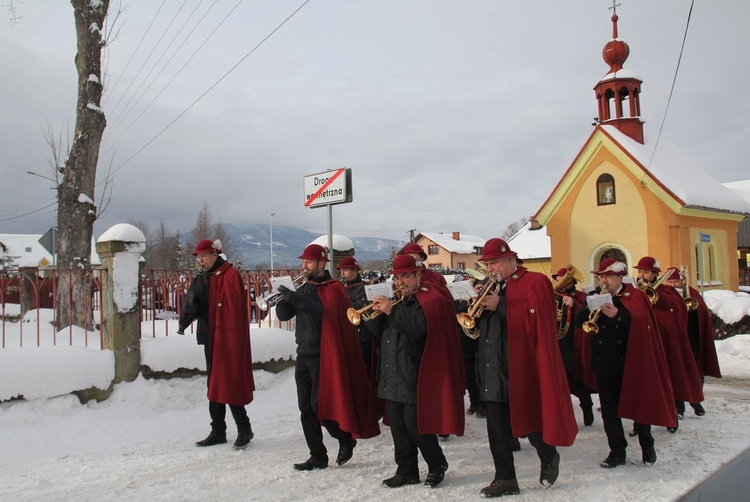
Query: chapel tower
x=620 y=88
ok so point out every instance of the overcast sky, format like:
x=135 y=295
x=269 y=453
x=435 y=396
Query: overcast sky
x=452 y=115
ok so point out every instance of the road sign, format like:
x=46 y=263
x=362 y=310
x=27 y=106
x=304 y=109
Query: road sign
x=705 y=238
x=330 y=187
x=49 y=241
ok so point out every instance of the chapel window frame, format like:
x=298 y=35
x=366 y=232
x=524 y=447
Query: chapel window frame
x=606 y=195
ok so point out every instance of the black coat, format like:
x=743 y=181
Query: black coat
x=355 y=290
x=609 y=346
x=309 y=311
x=195 y=304
x=403 y=336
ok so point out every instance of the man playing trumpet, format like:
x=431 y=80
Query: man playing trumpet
x=421 y=372
x=628 y=360
x=521 y=376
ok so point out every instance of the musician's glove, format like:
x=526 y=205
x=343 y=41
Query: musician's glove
x=289 y=295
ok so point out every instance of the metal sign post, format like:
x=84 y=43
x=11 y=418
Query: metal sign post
x=326 y=189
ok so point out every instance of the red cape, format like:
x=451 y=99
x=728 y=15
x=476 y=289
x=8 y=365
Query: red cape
x=582 y=347
x=441 y=381
x=343 y=391
x=230 y=377
x=539 y=395
x=671 y=316
x=646 y=395
x=708 y=362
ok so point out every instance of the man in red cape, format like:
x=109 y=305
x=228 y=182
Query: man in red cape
x=421 y=372
x=218 y=300
x=575 y=343
x=521 y=374
x=700 y=334
x=332 y=384
x=672 y=319
x=628 y=359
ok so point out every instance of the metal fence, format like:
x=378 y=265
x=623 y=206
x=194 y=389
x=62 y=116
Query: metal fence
x=28 y=304
x=28 y=301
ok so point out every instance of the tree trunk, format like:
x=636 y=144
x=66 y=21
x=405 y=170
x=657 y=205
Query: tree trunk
x=76 y=210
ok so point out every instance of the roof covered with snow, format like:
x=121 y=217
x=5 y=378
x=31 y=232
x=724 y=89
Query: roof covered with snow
x=26 y=251
x=464 y=245
x=741 y=188
x=531 y=244
x=680 y=174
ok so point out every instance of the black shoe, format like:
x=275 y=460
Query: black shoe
x=515 y=444
x=243 y=439
x=481 y=412
x=472 y=409
x=346 y=450
x=444 y=437
x=436 y=477
x=500 y=487
x=588 y=415
x=612 y=461
x=400 y=480
x=674 y=429
x=549 y=472
x=698 y=409
x=312 y=463
x=212 y=439
x=649 y=456
x=633 y=433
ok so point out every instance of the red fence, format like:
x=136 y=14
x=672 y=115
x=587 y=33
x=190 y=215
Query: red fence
x=162 y=292
x=27 y=305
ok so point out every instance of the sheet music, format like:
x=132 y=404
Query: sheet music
x=379 y=289
x=595 y=302
x=285 y=280
x=461 y=290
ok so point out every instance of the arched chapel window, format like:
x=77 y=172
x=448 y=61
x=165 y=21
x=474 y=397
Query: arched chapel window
x=605 y=190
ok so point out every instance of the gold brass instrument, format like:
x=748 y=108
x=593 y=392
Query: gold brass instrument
x=468 y=319
x=690 y=303
x=650 y=289
x=367 y=313
x=590 y=325
x=266 y=301
x=571 y=276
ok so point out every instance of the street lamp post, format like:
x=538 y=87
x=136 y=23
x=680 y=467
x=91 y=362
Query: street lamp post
x=271 y=228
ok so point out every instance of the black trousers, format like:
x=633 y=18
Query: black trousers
x=499 y=434
x=407 y=440
x=609 y=398
x=307 y=377
x=218 y=411
x=579 y=390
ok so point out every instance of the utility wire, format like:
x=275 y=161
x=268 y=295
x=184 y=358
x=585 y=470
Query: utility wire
x=121 y=118
x=211 y=87
x=110 y=93
x=671 y=91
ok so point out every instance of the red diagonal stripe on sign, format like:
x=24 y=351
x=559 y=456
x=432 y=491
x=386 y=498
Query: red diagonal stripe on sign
x=325 y=185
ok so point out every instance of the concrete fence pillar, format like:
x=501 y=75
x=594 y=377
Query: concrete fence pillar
x=120 y=249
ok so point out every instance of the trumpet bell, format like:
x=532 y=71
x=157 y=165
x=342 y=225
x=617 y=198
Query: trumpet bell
x=354 y=316
x=590 y=327
x=691 y=303
x=466 y=321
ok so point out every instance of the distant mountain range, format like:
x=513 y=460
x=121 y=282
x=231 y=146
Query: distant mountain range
x=253 y=244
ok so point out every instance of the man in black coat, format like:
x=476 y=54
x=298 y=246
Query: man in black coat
x=355 y=290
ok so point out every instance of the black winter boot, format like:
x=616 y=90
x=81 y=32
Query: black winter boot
x=213 y=438
x=243 y=439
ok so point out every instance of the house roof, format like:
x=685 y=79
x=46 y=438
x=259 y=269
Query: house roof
x=465 y=245
x=26 y=251
x=680 y=175
x=531 y=244
x=741 y=188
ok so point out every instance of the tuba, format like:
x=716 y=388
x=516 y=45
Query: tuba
x=468 y=319
x=572 y=276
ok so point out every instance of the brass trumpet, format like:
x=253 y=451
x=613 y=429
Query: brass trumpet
x=266 y=301
x=650 y=289
x=590 y=325
x=367 y=313
x=468 y=319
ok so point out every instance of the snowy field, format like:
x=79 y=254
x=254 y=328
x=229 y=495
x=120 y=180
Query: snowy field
x=139 y=444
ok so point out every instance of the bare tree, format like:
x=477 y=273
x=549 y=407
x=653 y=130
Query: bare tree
x=76 y=211
x=206 y=227
x=513 y=228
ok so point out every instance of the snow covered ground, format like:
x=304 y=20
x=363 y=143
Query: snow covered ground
x=139 y=444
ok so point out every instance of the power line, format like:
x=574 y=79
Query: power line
x=211 y=87
x=671 y=91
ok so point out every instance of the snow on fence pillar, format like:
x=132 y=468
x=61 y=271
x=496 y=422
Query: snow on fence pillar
x=120 y=249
